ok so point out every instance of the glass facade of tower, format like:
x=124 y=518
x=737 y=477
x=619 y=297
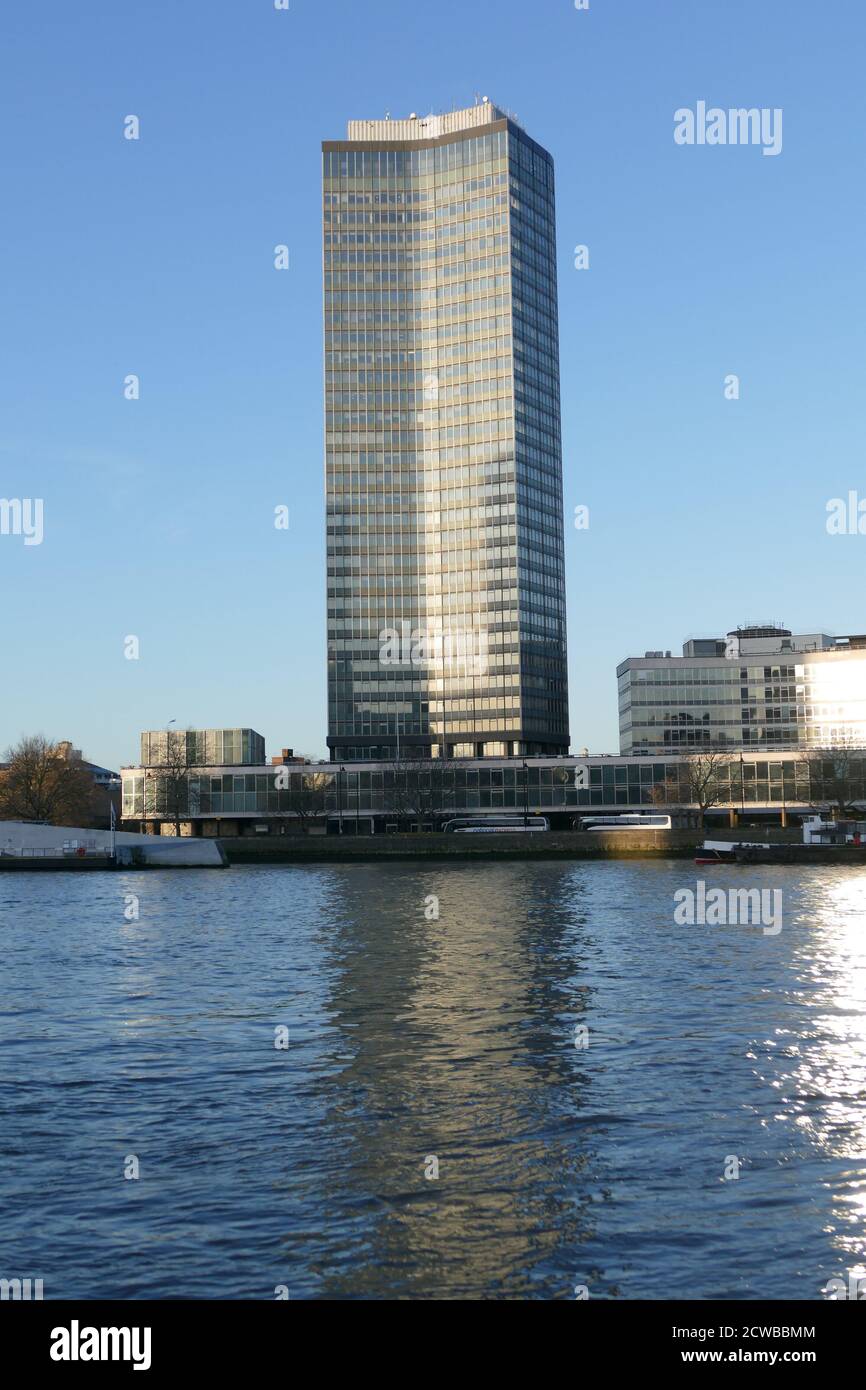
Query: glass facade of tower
x=446 y=605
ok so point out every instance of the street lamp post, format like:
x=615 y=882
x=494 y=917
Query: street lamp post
x=340 y=771
x=525 y=793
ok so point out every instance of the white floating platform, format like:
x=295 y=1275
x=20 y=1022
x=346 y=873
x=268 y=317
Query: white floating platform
x=24 y=841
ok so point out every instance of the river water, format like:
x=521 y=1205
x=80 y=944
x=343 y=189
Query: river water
x=431 y=1129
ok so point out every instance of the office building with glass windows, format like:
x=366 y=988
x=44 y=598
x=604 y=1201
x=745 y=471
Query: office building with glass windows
x=371 y=798
x=762 y=686
x=446 y=602
x=201 y=747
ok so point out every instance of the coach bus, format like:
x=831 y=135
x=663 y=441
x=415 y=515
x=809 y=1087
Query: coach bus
x=635 y=820
x=496 y=825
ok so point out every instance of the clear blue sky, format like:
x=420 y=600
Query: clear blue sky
x=156 y=258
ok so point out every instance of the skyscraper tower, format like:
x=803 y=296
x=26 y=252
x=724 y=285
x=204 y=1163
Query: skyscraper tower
x=443 y=463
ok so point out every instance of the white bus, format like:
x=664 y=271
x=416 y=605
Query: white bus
x=496 y=825
x=635 y=820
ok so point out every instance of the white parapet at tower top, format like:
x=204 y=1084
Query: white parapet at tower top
x=429 y=127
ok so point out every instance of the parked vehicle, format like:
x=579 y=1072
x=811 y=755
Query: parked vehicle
x=496 y=825
x=633 y=820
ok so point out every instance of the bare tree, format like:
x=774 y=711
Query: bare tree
x=396 y=798
x=836 y=780
x=702 y=782
x=421 y=788
x=39 y=782
x=307 y=796
x=665 y=794
x=171 y=774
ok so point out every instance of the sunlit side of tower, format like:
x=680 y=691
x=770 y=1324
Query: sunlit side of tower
x=446 y=600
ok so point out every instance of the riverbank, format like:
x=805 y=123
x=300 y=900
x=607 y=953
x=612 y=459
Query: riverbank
x=56 y=864
x=581 y=845
x=317 y=849
x=159 y=853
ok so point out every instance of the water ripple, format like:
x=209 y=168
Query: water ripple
x=413 y=1040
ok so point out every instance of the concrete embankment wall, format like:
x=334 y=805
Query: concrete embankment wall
x=56 y=864
x=159 y=853
x=298 y=849
x=758 y=834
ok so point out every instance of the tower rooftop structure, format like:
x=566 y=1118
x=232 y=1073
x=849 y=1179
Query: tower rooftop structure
x=430 y=127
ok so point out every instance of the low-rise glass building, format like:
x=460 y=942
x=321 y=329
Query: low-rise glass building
x=200 y=747
x=370 y=797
